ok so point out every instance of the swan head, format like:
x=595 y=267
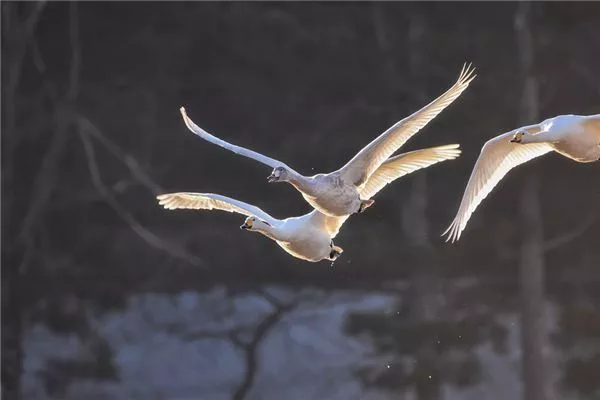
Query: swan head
x=253 y=224
x=279 y=174
x=518 y=136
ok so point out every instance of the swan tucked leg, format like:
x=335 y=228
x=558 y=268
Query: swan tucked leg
x=336 y=251
x=364 y=204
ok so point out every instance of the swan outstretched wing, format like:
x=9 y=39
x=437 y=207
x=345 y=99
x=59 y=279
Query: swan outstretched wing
x=360 y=168
x=498 y=156
x=242 y=151
x=210 y=201
x=403 y=164
x=392 y=169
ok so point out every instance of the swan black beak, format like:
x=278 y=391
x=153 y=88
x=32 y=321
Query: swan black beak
x=271 y=178
x=244 y=226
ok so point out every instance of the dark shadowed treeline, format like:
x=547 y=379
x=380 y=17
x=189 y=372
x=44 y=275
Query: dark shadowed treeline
x=91 y=132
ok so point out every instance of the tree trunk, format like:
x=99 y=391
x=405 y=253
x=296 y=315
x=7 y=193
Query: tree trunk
x=425 y=290
x=531 y=267
x=533 y=332
x=425 y=281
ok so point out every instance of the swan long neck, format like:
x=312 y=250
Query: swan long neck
x=535 y=134
x=301 y=182
x=532 y=129
x=269 y=231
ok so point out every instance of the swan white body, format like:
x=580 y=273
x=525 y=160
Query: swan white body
x=337 y=193
x=574 y=136
x=309 y=237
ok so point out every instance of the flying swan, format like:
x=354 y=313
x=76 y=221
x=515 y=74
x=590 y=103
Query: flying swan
x=309 y=237
x=337 y=193
x=574 y=136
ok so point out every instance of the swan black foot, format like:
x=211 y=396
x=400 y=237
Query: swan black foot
x=335 y=252
x=364 y=204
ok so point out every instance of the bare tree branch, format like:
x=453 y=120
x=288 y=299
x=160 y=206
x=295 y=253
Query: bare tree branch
x=46 y=177
x=20 y=36
x=92 y=130
x=138 y=228
x=45 y=181
x=129 y=161
x=274 y=301
x=558 y=241
x=250 y=346
x=16 y=37
x=75 y=67
x=251 y=349
x=569 y=236
x=21 y=33
x=40 y=65
x=29 y=250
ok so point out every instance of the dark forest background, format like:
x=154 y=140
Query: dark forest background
x=91 y=132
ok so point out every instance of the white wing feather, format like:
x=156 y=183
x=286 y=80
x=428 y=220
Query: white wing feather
x=242 y=151
x=392 y=169
x=210 y=201
x=497 y=157
x=360 y=168
x=403 y=164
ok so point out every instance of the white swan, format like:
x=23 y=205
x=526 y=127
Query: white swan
x=309 y=237
x=336 y=193
x=574 y=136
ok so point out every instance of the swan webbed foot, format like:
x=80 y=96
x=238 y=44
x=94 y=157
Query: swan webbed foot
x=335 y=252
x=364 y=204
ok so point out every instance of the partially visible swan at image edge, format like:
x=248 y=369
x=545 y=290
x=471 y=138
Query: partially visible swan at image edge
x=309 y=237
x=574 y=136
x=336 y=193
